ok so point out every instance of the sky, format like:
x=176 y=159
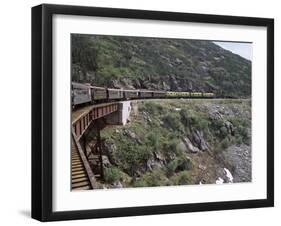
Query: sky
x=243 y=49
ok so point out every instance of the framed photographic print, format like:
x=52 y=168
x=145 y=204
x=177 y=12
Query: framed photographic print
x=146 y=112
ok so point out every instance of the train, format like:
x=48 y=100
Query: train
x=86 y=93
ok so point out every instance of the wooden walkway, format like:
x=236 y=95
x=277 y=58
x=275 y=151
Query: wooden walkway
x=79 y=177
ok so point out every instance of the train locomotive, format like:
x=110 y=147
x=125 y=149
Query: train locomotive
x=86 y=93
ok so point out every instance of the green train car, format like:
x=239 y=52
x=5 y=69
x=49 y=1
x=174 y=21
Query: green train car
x=189 y=95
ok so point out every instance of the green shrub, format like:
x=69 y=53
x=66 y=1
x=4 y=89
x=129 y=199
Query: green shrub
x=223 y=132
x=173 y=121
x=131 y=155
x=182 y=178
x=225 y=143
x=239 y=139
x=171 y=146
x=112 y=175
x=239 y=122
x=152 y=108
x=152 y=179
x=138 y=129
x=152 y=139
x=192 y=119
x=140 y=183
x=178 y=164
x=184 y=163
x=203 y=124
x=171 y=167
x=217 y=124
x=241 y=129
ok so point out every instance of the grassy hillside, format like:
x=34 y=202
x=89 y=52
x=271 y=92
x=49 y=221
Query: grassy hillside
x=165 y=144
x=163 y=64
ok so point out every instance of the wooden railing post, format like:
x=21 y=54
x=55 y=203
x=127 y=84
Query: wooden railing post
x=99 y=148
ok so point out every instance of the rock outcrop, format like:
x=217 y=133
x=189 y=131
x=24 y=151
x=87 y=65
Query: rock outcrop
x=199 y=140
x=190 y=146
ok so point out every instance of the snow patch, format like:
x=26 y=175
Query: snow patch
x=219 y=181
x=228 y=175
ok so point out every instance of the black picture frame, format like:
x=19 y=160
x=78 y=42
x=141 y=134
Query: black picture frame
x=42 y=111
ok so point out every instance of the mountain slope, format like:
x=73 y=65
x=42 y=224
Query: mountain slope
x=160 y=64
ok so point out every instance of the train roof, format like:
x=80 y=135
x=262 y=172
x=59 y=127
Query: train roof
x=77 y=84
x=114 y=89
x=159 y=91
x=131 y=90
x=97 y=87
x=145 y=90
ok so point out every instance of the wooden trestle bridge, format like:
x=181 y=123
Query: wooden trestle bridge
x=83 y=175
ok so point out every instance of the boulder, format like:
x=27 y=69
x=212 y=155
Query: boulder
x=182 y=146
x=132 y=135
x=105 y=162
x=152 y=164
x=199 y=140
x=229 y=127
x=108 y=149
x=215 y=115
x=159 y=156
x=166 y=86
x=225 y=175
x=190 y=146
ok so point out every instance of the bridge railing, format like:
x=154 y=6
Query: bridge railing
x=82 y=122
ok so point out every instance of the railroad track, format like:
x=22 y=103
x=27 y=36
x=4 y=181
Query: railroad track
x=79 y=177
